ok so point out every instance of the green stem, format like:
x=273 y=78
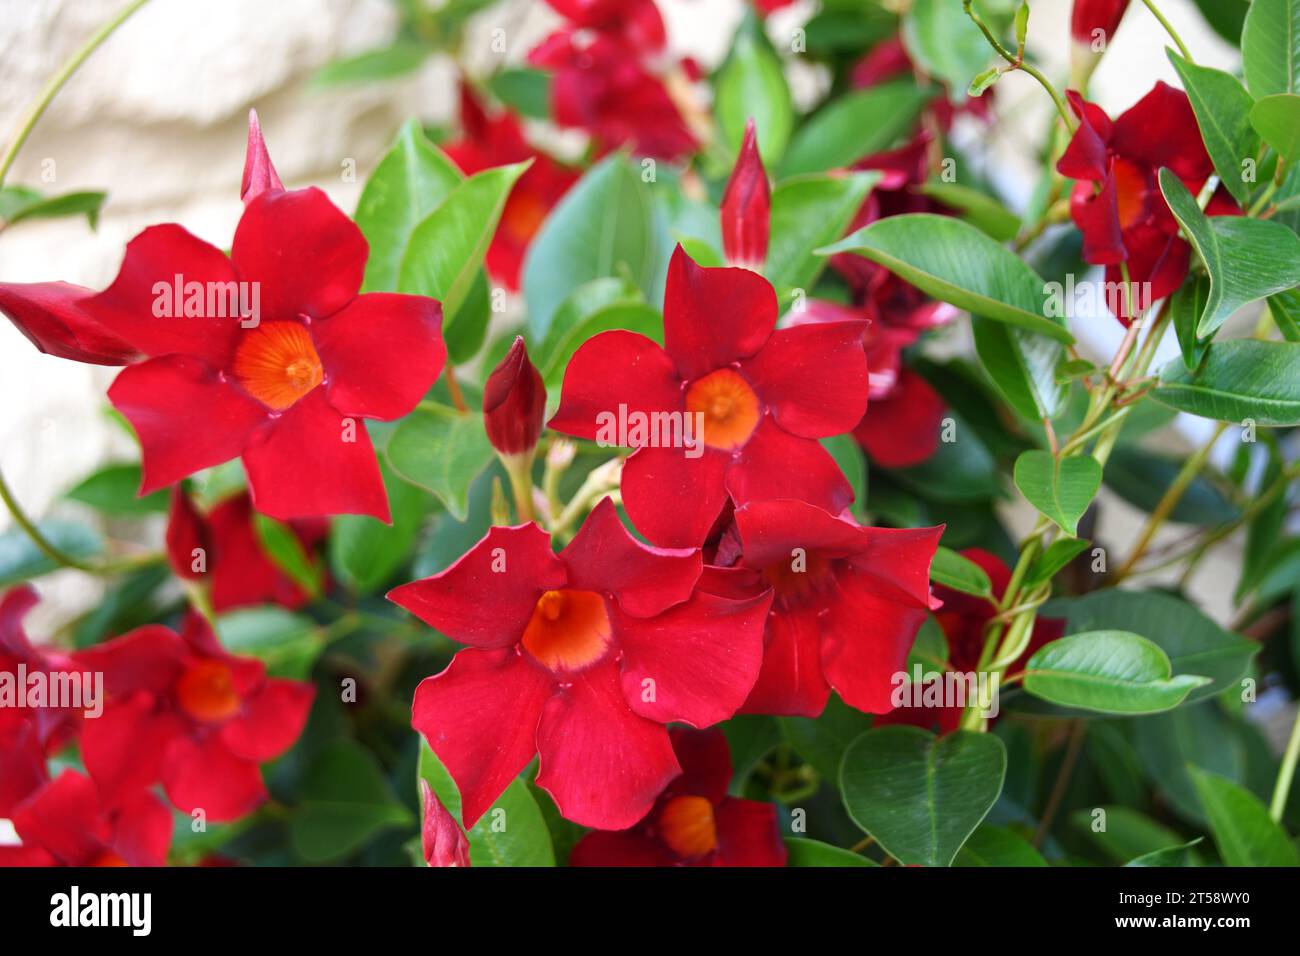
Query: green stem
x=1285 y=773
x=1173 y=34
x=56 y=82
x=46 y=546
x=1018 y=63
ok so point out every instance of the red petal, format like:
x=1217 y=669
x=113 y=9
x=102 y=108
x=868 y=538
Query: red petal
x=187 y=533
x=156 y=262
x=1096 y=213
x=902 y=429
x=488 y=596
x=603 y=764
x=813 y=377
x=186 y=417
x=623 y=848
x=382 y=353
x=674 y=500
x=259 y=174
x=150 y=658
x=791 y=681
x=1160 y=129
x=303 y=465
x=142 y=830
x=1087 y=156
x=748 y=834
x=307 y=255
x=22 y=764
x=706 y=762
x=480 y=716
x=204 y=775
x=612 y=369
x=713 y=317
x=271 y=720
x=126 y=748
x=64 y=818
x=775 y=464
x=697 y=662
x=441 y=838
x=53 y=317
x=242 y=573
x=603 y=556
x=770 y=529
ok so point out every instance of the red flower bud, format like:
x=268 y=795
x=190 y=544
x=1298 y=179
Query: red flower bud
x=746 y=207
x=514 y=403
x=443 y=840
x=259 y=174
x=1089 y=16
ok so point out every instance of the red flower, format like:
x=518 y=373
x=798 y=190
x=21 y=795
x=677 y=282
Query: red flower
x=635 y=23
x=441 y=839
x=902 y=428
x=1117 y=203
x=269 y=354
x=514 y=403
x=693 y=822
x=183 y=710
x=53 y=317
x=762 y=397
x=747 y=207
x=1088 y=16
x=849 y=601
x=69 y=822
x=500 y=141
x=226 y=549
x=583 y=657
x=48 y=727
x=600 y=84
x=963 y=619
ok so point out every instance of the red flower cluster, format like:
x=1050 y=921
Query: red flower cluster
x=1117 y=203
x=693 y=821
x=603 y=80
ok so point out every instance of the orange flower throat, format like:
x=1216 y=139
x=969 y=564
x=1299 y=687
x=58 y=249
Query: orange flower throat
x=568 y=629
x=277 y=364
x=729 y=406
x=207 y=692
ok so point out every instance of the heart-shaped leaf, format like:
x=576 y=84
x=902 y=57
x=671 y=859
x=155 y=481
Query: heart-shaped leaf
x=1060 y=489
x=920 y=795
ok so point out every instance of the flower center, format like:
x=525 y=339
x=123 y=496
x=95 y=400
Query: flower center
x=109 y=858
x=207 y=691
x=729 y=407
x=568 y=629
x=277 y=364
x=1130 y=193
x=687 y=826
x=800 y=576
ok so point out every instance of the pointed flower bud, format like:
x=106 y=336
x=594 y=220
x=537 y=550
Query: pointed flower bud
x=1092 y=26
x=746 y=207
x=514 y=403
x=443 y=840
x=259 y=174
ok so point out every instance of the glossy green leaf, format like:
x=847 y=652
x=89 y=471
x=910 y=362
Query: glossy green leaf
x=1024 y=367
x=1239 y=821
x=822 y=740
x=919 y=795
x=1055 y=557
x=1223 y=113
x=998 y=846
x=945 y=43
x=525 y=90
x=959 y=573
x=752 y=84
x=401 y=58
x=113 y=490
x=1181 y=855
x=443 y=452
x=1277 y=120
x=1270 y=47
x=855 y=125
x=285 y=550
x=364 y=551
x=1238 y=380
x=1285 y=310
x=1185 y=310
x=1114 y=672
x=977 y=208
x=287 y=643
x=956 y=262
x=1142 y=477
x=809 y=212
x=1247 y=259
x=803 y=852
x=1060 y=489
x=19 y=202
x=345 y=801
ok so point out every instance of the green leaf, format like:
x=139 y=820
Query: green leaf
x=1285 y=309
x=1181 y=855
x=345 y=801
x=945 y=43
x=752 y=84
x=1247 y=259
x=1141 y=478
x=526 y=91
x=1242 y=828
x=1239 y=380
x=983 y=81
x=21 y=560
x=1222 y=107
x=1194 y=642
x=594 y=307
x=1270 y=47
x=919 y=795
x=1023 y=367
x=1123 y=832
x=1185 y=310
x=801 y=852
x=807 y=213
x=1062 y=490
x=512 y=832
x=1056 y=556
x=447 y=248
x=959 y=472
x=855 y=125
x=955 y=262
x=1114 y=672
x=397 y=60
x=284 y=549
x=286 y=642
x=961 y=574
x=977 y=208
x=998 y=846
x=1170 y=744
x=822 y=740
x=19 y=202
x=1277 y=120
x=442 y=451
x=412 y=179
x=465 y=331
x=848 y=455
x=1022 y=25
x=112 y=490
x=1226 y=17
x=364 y=552
x=606 y=225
